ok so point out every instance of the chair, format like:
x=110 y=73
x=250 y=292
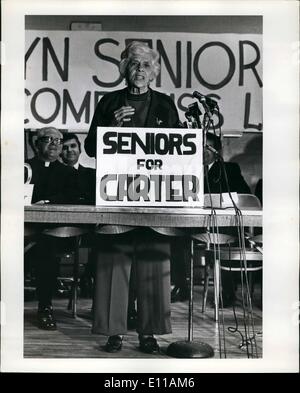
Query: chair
x=108 y=229
x=244 y=201
x=31 y=231
x=204 y=243
x=256 y=242
x=253 y=261
x=166 y=231
x=218 y=247
x=76 y=233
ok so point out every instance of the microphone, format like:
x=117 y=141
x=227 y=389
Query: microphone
x=205 y=100
x=204 y=104
x=193 y=114
x=208 y=147
x=188 y=116
x=216 y=153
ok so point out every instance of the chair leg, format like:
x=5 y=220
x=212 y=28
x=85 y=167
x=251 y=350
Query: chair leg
x=205 y=289
x=217 y=287
x=70 y=303
x=248 y=277
x=75 y=276
x=250 y=283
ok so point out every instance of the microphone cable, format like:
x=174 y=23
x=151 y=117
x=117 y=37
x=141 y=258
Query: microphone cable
x=213 y=227
x=246 y=299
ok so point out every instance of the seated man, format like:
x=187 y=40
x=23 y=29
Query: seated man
x=217 y=175
x=53 y=183
x=86 y=177
x=86 y=186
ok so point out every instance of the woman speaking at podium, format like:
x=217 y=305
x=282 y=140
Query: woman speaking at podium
x=137 y=105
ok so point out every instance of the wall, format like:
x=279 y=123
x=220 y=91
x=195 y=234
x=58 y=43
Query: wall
x=200 y=24
x=247 y=149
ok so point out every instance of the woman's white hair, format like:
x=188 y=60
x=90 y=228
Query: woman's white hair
x=138 y=47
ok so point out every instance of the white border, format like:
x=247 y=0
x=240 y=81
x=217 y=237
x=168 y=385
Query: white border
x=281 y=121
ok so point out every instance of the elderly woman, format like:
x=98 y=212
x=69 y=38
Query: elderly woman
x=137 y=105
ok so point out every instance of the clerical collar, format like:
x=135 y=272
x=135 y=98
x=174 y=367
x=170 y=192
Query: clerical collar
x=210 y=165
x=76 y=166
x=46 y=163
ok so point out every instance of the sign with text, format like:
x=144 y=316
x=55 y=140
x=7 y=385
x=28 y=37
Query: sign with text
x=149 y=167
x=67 y=73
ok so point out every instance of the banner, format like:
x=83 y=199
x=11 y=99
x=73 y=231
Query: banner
x=67 y=73
x=149 y=167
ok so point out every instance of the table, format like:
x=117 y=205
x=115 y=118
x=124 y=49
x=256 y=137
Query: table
x=137 y=216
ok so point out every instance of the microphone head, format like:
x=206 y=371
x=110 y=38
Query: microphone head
x=196 y=94
x=204 y=99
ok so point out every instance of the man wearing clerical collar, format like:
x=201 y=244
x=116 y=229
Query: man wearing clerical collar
x=53 y=182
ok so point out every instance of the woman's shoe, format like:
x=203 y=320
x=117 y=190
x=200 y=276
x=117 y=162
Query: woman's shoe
x=114 y=344
x=148 y=344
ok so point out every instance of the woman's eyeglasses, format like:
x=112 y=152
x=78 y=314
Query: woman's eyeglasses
x=51 y=139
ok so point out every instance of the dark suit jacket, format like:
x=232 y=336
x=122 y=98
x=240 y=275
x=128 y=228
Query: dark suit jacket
x=56 y=183
x=86 y=183
x=162 y=114
x=217 y=180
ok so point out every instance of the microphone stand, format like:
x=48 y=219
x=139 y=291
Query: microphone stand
x=191 y=348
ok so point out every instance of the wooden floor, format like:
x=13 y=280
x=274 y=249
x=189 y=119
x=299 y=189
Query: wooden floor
x=73 y=338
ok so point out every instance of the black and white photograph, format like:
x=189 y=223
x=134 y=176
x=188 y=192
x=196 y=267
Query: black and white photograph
x=152 y=220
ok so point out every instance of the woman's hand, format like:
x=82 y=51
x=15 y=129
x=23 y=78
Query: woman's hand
x=122 y=115
x=42 y=202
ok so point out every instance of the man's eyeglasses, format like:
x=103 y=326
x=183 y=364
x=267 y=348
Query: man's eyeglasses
x=51 y=139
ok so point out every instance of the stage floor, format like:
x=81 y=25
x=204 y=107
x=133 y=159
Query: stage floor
x=73 y=338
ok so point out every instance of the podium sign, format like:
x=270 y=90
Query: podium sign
x=157 y=167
